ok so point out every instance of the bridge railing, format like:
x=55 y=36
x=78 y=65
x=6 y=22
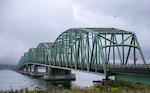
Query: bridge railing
x=130 y=68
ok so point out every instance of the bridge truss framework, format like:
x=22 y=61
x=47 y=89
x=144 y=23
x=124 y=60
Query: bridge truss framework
x=89 y=49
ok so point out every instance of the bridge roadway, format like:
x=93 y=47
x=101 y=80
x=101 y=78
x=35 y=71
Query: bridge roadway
x=140 y=69
x=111 y=68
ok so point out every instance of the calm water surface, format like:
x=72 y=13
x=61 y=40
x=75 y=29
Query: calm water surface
x=11 y=79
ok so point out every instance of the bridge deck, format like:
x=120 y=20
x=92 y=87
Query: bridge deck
x=142 y=69
x=112 y=68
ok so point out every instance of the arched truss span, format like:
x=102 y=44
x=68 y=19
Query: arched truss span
x=41 y=52
x=91 y=48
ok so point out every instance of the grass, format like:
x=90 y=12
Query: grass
x=117 y=86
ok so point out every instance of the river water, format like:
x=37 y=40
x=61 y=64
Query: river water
x=13 y=80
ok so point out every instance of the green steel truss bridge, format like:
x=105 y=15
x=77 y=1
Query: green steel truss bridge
x=98 y=50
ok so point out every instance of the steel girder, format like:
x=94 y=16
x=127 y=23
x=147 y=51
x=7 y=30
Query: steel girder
x=41 y=53
x=31 y=55
x=36 y=55
x=90 y=49
x=81 y=48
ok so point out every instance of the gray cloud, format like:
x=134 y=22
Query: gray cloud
x=28 y=22
x=25 y=23
x=132 y=15
x=132 y=10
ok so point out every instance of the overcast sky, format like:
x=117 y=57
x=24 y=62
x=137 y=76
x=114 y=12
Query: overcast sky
x=26 y=23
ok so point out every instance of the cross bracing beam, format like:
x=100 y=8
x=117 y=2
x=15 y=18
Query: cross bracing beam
x=41 y=52
x=93 y=46
x=90 y=49
x=31 y=54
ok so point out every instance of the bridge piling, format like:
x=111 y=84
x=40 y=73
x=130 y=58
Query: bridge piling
x=25 y=70
x=35 y=72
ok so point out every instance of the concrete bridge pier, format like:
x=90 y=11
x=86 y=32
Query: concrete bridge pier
x=35 y=72
x=58 y=74
x=35 y=67
x=30 y=68
x=26 y=70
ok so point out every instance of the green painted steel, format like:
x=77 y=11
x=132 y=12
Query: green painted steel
x=41 y=52
x=31 y=55
x=87 y=49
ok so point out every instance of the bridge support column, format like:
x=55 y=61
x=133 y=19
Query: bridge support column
x=58 y=74
x=26 y=70
x=35 y=72
x=35 y=68
x=30 y=68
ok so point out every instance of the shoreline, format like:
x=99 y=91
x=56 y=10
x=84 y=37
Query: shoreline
x=112 y=86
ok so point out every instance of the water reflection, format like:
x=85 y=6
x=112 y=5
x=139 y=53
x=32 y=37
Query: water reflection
x=10 y=79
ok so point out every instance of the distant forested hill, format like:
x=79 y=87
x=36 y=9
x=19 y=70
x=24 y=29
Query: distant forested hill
x=6 y=66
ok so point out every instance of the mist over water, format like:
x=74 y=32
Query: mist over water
x=13 y=80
